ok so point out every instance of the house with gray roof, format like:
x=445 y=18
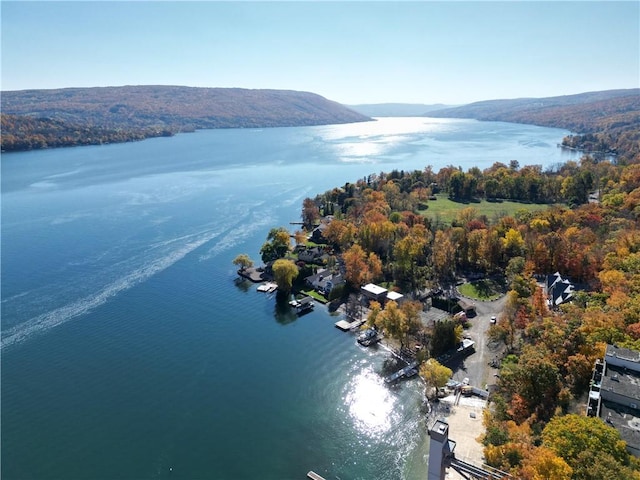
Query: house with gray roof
x=559 y=290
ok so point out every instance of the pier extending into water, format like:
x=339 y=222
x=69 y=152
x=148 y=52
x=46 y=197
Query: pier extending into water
x=347 y=326
x=406 y=372
x=314 y=476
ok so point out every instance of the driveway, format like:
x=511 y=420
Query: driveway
x=476 y=366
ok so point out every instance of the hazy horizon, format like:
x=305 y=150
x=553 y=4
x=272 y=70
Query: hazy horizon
x=349 y=52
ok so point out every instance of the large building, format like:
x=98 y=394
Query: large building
x=615 y=394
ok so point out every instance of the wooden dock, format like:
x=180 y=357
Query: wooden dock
x=346 y=326
x=314 y=476
x=406 y=372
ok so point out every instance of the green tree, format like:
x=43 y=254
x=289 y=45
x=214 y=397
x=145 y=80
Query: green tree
x=277 y=245
x=444 y=337
x=284 y=273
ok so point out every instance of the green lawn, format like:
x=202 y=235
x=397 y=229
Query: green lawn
x=482 y=290
x=445 y=210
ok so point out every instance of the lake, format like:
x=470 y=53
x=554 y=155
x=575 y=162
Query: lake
x=130 y=349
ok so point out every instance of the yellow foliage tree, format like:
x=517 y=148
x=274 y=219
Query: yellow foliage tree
x=434 y=374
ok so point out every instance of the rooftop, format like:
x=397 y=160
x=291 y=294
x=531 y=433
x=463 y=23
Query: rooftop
x=374 y=289
x=621 y=381
x=624 y=420
x=622 y=353
x=394 y=296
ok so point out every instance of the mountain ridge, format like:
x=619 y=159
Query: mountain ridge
x=76 y=116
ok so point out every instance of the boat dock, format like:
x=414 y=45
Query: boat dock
x=346 y=326
x=268 y=287
x=314 y=476
x=406 y=372
x=302 y=305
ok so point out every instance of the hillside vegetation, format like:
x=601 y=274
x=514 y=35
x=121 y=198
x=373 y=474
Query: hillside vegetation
x=607 y=122
x=75 y=116
x=375 y=231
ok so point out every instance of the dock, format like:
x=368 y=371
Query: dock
x=346 y=326
x=314 y=476
x=268 y=287
x=406 y=372
x=302 y=305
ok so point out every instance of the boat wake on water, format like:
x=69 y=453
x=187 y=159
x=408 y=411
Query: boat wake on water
x=162 y=260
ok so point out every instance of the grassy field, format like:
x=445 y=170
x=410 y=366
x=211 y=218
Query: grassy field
x=482 y=290
x=445 y=210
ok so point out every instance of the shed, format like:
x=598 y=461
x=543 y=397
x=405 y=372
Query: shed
x=467 y=307
x=395 y=296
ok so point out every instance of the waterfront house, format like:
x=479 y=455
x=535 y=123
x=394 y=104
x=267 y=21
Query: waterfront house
x=324 y=281
x=312 y=255
x=371 y=291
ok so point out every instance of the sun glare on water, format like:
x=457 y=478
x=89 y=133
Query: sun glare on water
x=370 y=404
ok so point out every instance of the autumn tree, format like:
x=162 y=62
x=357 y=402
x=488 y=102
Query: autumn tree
x=585 y=441
x=435 y=375
x=444 y=257
x=544 y=464
x=533 y=383
x=410 y=255
x=393 y=322
x=361 y=268
x=277 y=245
x=310 y=213
x=374 y=311
x=284 y=273
x=243 y=261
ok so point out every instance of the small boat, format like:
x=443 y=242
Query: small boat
x=302 y=305
x=368 y=337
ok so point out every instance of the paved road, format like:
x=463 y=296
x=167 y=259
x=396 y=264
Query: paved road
x=476 y=366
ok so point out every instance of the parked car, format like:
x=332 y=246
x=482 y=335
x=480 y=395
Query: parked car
x=493 y=319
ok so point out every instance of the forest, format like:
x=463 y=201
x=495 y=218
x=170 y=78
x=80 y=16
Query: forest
x=589 y=233
x=33 y=119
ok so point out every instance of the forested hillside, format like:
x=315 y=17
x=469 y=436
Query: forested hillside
x=606 y=122
x=77 y=116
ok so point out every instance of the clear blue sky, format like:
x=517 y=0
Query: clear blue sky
x=351 y=52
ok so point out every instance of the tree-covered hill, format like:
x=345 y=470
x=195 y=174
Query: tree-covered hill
x=607 y=120
x=72 y=116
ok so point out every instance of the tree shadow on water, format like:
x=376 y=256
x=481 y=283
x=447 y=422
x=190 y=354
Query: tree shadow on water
x=242 y=284
x=282 y=311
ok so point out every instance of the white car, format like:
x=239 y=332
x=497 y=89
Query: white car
x=493 y=319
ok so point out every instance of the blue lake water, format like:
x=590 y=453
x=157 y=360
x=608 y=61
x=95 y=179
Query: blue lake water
x=130 y=351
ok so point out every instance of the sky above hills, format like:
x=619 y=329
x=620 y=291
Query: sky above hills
x=352 y=52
